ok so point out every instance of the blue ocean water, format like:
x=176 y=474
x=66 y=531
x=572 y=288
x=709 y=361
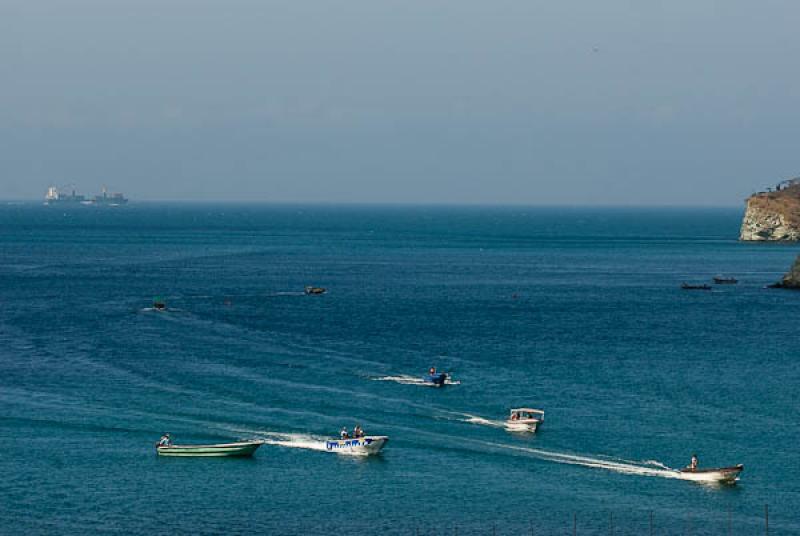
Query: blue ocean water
x=576 y=311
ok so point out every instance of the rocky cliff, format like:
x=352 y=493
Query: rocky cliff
x=792 y=278
x=773 y=215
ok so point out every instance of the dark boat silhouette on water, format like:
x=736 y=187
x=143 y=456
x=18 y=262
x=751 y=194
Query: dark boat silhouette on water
x=686 y=286
x=315 y=290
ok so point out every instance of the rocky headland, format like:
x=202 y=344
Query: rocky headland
x=792 y=277
x=774 y=214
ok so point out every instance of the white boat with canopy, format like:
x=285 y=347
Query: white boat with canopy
x=524 y=419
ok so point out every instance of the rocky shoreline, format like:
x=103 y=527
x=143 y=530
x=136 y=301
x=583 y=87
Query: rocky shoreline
x=792 y=278
x=773 y=215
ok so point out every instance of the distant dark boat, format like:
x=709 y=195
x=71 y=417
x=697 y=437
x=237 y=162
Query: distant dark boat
x=686 y=286
x=159 y=304
x=315 y=290
x=719 y=280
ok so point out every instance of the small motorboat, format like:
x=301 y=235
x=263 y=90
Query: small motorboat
x=159 y=304
x=315 y=290
x=438 y=379
x=524 y=419
x=719 y=475
x=363 y=446
x=686 y=286
x=720 y=280
x=241 y=448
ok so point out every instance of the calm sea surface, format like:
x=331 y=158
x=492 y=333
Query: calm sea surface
x=576 y=311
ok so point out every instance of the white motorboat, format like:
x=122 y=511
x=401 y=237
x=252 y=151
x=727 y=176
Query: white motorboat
x=718 y=475
x=363 y=446
x=524 y=419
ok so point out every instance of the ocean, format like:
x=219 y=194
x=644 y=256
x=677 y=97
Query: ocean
x=576 y=311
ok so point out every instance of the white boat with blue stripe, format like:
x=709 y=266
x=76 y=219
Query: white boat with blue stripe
x=362 y=446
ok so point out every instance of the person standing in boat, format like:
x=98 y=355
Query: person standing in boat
x=358 y=431
x=343 y=434
x=165 y=441
x=693 y=463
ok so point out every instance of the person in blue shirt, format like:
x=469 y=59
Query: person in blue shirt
x=165 y=441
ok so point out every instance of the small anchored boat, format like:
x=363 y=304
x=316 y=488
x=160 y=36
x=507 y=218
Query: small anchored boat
x=241 y=448
x=719 y=475
x=524 y=419
x=315 y=290
x=686 y=286
x=363 y=446
x=720 y=280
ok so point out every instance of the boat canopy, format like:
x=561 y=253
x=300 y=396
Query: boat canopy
x=528 y=411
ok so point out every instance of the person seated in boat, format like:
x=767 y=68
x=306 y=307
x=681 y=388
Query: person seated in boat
x=358 y=432
x=515 y=416
x=693 y=463
x=343 y=434
x=165 y=441
x=432 y=371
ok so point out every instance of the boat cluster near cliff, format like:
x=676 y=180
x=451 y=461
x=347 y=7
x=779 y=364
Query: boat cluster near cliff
x=774 y=214
x=54 y=197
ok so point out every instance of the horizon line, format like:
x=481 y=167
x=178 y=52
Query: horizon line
x=453 y=204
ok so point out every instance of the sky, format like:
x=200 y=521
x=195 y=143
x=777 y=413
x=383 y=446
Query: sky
x=401 y=101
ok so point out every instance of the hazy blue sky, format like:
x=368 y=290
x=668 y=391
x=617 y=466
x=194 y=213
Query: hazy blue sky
x=464 y=101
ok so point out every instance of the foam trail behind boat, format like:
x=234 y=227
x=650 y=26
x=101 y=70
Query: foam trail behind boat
x=474 y=419
x=649 y=468
x=296 y=441
x=413 y=380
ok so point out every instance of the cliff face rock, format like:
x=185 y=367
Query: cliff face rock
x=773 y=215
x=792 y=278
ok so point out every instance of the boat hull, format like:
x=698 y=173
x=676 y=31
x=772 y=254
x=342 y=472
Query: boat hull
x=362 y=446
x=436 y=379
x=525 y=425
x=240 y=449
x=722 y=475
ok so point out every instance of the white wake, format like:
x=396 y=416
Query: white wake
x=413 y=380
x=295 y=441
x=647 y=468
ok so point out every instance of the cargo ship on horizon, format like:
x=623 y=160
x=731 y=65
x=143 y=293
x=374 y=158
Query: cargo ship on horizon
x=54 y=197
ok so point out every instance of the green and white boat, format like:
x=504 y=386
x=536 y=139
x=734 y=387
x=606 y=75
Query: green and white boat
x=241 y=448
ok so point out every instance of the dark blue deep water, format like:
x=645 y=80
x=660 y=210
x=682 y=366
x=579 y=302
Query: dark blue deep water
x=576 y=311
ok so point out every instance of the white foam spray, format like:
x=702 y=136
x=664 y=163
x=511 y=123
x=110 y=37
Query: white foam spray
x=412 y=380
x=648 y=468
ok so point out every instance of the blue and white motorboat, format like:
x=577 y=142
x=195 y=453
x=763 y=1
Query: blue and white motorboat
x=363 y=446
x=438 y=379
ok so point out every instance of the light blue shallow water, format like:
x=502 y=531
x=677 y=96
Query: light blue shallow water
x=629 y=368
